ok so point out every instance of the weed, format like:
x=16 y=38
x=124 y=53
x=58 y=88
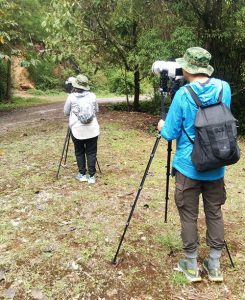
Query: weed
x=178 y=278
x=171 y=242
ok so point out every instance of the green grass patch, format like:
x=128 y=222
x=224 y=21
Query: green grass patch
x=169 y=241
x=19 y=102
x=178 y=279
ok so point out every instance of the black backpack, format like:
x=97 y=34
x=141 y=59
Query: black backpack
x=215 y=143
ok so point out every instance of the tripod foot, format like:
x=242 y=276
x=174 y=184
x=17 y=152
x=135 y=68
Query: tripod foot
x=116 y=261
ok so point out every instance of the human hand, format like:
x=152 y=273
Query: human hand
x=160 y=125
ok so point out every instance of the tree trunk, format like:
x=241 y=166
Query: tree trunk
x=126 y=88
x=8 y=93
x=136 y=88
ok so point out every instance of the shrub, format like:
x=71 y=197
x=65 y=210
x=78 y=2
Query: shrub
x=238 y=111
x=116 y=82
x=42 y=75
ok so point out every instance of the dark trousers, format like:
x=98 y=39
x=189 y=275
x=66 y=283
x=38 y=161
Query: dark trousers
x=187 y=192
x=86 y=150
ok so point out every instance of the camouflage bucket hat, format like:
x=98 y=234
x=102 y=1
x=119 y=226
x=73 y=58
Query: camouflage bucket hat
x=196 y=61
x=81 y=82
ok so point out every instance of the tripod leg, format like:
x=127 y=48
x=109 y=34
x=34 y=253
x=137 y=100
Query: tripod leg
x=228 y=252
x=67 y=147
x=62 y=155
x=98 y=165
x=167 y=180
x=137 y=196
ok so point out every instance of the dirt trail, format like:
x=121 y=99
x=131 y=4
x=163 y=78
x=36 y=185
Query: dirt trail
x=19 y=117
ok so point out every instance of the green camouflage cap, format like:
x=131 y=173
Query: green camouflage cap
x=196 y=61
x=81 y=82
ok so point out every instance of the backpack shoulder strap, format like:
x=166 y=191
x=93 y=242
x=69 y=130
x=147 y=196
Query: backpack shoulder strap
x=196 y=99
x=192 y=142
x=194 y=96
x=198 y=103
x=220 y=95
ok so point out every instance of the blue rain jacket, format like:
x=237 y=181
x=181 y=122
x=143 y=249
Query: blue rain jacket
x=182 y=113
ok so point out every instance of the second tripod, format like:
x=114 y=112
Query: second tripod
x=63 y=157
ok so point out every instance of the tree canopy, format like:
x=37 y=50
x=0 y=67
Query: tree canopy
x=128 y=34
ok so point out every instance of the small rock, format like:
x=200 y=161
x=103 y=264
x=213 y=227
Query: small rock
x=23 y=134
x=120 y=273
x=48 y=249
x=10 y=293
x=26 y=86
x=73 y=265
x=111 y=293
x=37 y=294
x=2 y=275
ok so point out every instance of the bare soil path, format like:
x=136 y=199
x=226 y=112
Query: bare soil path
x=28 y=115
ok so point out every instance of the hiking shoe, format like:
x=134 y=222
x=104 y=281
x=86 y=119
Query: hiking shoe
x=81 y=177
x=213 y=274
x=91 y=179
x=191 y=274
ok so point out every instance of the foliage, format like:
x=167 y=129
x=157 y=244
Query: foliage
x=151 y=106
x=118 y=33
x=19 y=29
x=182 y=38
x=118 y=84
x=128 y=35
x=42 y=74
x=238 y=109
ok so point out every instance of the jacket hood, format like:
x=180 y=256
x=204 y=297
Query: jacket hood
x=83 y=94
x=207 y=92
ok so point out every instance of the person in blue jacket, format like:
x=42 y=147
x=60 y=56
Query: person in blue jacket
x=190 y=183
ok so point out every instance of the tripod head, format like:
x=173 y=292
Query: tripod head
x=168 y=86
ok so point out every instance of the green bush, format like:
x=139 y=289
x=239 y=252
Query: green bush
x=116 y=82
x=152 y=106
x=238 y=110
x=42 y=75
x=99 y=82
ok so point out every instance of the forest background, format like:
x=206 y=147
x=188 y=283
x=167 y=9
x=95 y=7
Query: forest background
x=115 y=43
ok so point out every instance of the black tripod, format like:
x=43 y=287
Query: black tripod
x=65 y=151
x=163 y=90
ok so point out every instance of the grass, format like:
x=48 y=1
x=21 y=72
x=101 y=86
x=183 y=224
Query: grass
x=170 y=241
x=19 y=102
x=59 y=236
x=178 y=279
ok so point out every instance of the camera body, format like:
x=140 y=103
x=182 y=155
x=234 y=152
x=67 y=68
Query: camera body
x=172 y=69
x=68 y=84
